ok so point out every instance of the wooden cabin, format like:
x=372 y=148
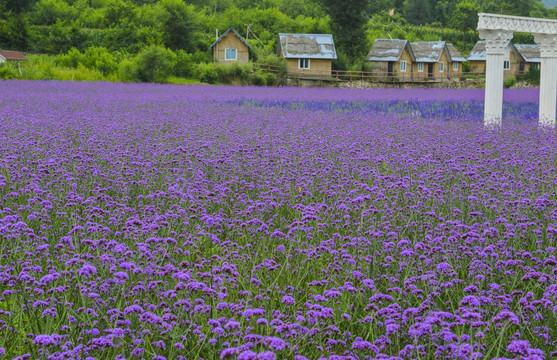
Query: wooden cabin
x=392 y=57
x=456 y=61
x=513 y=62
x=405 y=61
x=231 y=47
x=434 y=61
x=307 y=55
x=530 y=55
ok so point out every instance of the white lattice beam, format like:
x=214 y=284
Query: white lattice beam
x=516 y=23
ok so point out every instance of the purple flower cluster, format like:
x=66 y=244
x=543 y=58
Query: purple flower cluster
x=175 y=222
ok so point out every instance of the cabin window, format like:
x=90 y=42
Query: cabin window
x=230 y=54
x=441 y=67
x=420 y=66
x=506 y=65
x=455 y=66
x=403 y=66
x=303 y=63
x=535 y=66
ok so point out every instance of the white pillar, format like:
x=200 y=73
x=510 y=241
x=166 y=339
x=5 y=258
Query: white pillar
x=495 y=45
x=548 y=80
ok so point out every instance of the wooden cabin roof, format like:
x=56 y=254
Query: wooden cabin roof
x=235 y=33
x=388 y=50
x=13 y=55
x=308 y=46
x=530 y=53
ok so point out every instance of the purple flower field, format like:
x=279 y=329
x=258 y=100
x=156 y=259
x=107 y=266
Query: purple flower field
x=197 y=222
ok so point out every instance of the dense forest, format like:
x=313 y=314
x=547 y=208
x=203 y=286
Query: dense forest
x=121 y=28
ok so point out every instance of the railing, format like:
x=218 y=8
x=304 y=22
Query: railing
x=402 y=77
x=374 y=76
x=268 y=67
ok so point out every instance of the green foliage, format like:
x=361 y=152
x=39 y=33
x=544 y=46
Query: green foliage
x=121 y=38
x=349 y=18
x=96 y=36
x=17 y=6
x=154 y=64
x=418 y=12
x=6 y=72
x=234 y=73
x=100 y=59
x=180 y=24
x=126 y=71
x=49 y=12
x=532 y=77
x=509 y=82
x=465 y=16
x=147 y=36
x=119 y=13
x=380 y=28
x=207 y=73
x=14 y=33
x=72 y=59
x=94 y=58
x=186 y=64
x=58 y=38
x=44 y=67
x=55 y=26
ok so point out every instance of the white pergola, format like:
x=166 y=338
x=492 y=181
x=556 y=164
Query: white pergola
x=497 y=30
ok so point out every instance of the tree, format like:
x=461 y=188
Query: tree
x=418 y=12
x=154 y=64
x=348 y=20
x=119 y=13
x=465 y=16
x=48 y=12
x=17 y=6
x=179 y=25
x=14 y=34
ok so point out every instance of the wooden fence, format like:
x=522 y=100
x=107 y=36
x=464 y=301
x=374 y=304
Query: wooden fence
x=380 y=77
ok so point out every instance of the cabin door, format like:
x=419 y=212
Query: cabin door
x=430 y=70
x=390 y=68
x=521 y=67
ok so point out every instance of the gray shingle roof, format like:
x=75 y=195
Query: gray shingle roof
x=308 y=46
x=428 y=51
x=478 y=52
x=454 y=54
x=388 y=50
x=530 y=53
x=236 y=33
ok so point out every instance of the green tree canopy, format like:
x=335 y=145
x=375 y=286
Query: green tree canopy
x=465 y=16
x=348 y=20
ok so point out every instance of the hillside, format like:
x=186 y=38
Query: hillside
x=123 y=28
x=550 y=3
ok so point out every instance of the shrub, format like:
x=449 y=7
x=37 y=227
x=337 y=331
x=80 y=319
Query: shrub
x=532 y=76
x=509 y=82
x=184 y=65
x=80 y=74
x=154 y=64
x=94 y=58
x=6 y=73
x=206 y=73
x=72 y=59
x=258 y=79
x=98 y=58
x=278 y=77
x=126 y=71
x=234 y=73
x=270 y=79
